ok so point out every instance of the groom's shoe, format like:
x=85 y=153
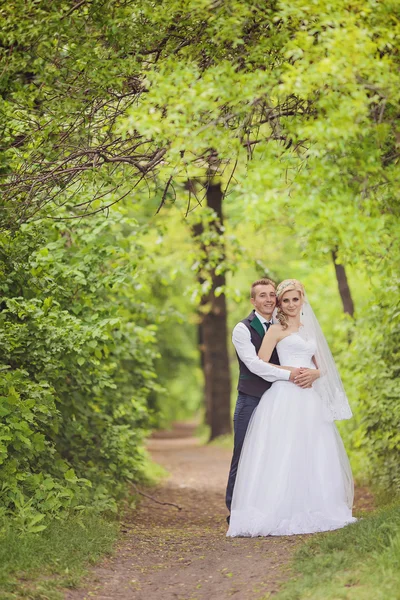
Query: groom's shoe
x=228 y=519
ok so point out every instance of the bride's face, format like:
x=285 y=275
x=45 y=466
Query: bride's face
x=291 y=303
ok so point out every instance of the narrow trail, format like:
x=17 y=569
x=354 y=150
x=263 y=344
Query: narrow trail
x=184 y=555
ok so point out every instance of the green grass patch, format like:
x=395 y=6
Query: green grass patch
x=152 y=472
x=203 y=434
x=37 y=565
x=359 y=562
x=223 y=441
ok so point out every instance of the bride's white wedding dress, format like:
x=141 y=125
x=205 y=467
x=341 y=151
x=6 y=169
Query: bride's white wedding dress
x=294 y=476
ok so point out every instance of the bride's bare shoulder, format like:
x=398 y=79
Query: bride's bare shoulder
x=276 y=329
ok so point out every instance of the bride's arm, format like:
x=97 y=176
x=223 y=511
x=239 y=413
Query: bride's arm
x=270 y=339
x=247 y=353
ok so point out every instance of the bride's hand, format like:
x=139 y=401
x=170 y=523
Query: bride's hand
x=294 y=372
x=306 y=377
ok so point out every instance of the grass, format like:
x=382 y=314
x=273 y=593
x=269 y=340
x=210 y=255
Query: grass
x=153 y=473
x=36 y=565
x=203 y=434
x=359 y=562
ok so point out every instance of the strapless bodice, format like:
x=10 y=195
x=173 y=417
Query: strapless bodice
x=295 y=351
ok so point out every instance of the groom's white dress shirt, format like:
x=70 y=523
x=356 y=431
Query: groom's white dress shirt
x=247 y=353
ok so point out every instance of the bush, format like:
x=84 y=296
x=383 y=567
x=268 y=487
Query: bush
x=373 y=364
x=77 y=367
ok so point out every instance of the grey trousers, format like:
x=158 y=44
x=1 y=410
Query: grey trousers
x=245 y=406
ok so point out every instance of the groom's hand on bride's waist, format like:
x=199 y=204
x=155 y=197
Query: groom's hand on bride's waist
x=306 y=377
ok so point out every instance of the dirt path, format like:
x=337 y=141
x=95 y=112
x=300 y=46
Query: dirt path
x=184 y=555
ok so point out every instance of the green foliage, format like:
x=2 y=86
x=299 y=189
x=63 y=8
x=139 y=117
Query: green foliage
x=355 y=563
x=78 y=367
x=171 y=288
x=97 y=97
x=374 y=363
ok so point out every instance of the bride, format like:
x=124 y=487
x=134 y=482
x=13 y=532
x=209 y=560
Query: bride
x=294 y=476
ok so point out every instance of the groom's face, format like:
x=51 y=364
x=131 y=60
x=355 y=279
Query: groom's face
x=264 y=300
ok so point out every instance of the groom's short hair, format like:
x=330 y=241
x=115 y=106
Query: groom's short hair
x=263 y=281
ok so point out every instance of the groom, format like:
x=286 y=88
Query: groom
x=255 y=375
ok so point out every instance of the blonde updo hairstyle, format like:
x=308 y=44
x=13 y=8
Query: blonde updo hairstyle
x=287 y=285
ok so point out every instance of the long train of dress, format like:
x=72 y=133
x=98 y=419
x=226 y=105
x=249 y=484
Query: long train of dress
x=294 y=476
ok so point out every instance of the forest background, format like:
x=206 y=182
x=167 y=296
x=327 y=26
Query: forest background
x=156 y=159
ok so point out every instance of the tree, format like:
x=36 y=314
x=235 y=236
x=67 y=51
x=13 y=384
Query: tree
x=213 y=332
x=78 y=81
x=344 y=289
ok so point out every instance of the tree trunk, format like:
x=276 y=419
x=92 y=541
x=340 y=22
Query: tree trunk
x=213 y=332
x=344 y=290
